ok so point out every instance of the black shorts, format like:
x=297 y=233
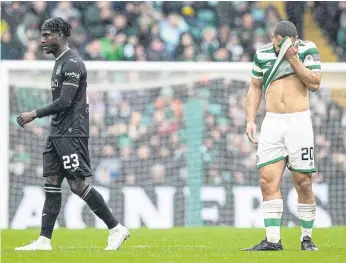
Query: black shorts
x=66 y=156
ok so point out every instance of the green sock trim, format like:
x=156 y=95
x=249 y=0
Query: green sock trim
x=272 y=222
x=306 y=224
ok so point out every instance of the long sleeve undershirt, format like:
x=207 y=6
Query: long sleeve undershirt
x=64 y=101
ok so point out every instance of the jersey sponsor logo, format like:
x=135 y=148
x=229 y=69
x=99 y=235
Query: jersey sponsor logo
x=58 y=70
x=72 y=74
x=72 y=60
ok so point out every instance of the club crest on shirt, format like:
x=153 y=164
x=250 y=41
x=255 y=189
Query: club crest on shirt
x=58 y=70
x=54 y=84
x=308 y=57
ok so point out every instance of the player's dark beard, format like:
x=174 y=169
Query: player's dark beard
x=48 y=49
x=52 y=49
x=55 y=50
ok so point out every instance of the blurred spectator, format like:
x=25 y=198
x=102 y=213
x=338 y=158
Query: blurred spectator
x=331 y=17
x=295 y=13
x=210 y=42
x=272 y=18
x=170 y=31
x=235 y=47
x=157 y=50
x=158 y=173
x=65 y=10
x=186 y=42
x=7 y=50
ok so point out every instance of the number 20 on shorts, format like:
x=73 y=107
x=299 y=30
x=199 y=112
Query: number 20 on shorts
x=307 y=153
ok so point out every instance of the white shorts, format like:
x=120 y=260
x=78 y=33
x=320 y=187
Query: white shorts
x=288 y=136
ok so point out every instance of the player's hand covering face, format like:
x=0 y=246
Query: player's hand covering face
x=276 y=40
x=25 y=117
x=292 y=51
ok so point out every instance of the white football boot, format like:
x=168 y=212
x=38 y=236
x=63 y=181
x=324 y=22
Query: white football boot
x=117 y=236
x=42 y=243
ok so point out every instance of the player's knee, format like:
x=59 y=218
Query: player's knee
x=269 y=181
x=304 y=186
x=53 y=180
x=77 y=189
x=77 y=186
x=269 y=185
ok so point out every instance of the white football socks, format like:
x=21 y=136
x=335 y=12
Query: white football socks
x=307 y=213
x=272 y=212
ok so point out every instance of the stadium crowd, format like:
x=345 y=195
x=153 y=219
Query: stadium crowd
x=140 y=137
x=155 y=31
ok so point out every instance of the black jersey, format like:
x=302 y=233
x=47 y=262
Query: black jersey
x=69 y=83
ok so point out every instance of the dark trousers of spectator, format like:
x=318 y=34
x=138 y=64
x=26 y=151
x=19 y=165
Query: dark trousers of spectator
x=328 y=15
x=295 y=13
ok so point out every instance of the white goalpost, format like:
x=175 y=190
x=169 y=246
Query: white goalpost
x=167 y=145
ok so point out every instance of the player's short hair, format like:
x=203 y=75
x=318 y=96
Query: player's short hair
x=285 y=29
x=57 y=25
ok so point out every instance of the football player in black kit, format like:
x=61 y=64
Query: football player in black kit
x=66 y=153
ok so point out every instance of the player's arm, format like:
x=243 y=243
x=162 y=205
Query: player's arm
x=253 y=100
x=71 y=76
x=309 y=71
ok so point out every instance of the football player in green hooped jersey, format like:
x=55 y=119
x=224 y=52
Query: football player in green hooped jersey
x=285 y=71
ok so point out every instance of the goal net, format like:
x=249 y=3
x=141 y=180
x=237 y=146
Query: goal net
x=168 y=147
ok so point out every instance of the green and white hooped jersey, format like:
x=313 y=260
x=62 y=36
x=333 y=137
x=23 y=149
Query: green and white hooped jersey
x=265 y=58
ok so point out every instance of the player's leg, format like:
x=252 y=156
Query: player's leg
x=272 y=199
x=306 y=208
x=300 y=145
x=97 y=204
x=271 y=155
x=75 y=153
x=52 y=203
x=272 y=207
x=94 y=200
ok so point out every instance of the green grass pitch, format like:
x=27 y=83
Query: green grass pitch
x=205 y=245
